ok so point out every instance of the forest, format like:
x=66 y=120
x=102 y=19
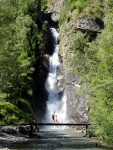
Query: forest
x=21 y=48
x=22 y=44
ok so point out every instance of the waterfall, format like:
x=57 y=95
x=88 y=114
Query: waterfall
x=56 y=102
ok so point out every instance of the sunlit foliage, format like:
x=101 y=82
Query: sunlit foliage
x=92 y=61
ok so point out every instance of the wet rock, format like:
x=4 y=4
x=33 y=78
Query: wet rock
x=12 y=134
x=46 y=61
x=28 y=129
x=60 y=83
x=23 y=129
x=9 y=129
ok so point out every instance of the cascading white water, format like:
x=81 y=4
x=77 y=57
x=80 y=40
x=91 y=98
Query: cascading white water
x=55 y=102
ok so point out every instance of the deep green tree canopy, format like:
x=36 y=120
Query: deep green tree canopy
x=20 y=47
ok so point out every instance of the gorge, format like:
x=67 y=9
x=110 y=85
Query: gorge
x=74 y=67
x=66 y=84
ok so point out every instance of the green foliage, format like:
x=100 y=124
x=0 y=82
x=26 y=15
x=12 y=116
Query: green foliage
x=64 y=14
x=44 y=4
x=7 y=16
x=96 y=10
x=102 y=82
x=81 y=4
x=83 y=8
x=93 y=62
x=97 y=59
x=71 y=5
x=27 y=7
x=21 y=45
x=78 y=44
x=13 y=115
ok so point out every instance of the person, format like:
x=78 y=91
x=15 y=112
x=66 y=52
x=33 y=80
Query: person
x=56 y=119
x=53 y=116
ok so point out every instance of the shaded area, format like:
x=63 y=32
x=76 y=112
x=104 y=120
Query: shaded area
x=40 y=95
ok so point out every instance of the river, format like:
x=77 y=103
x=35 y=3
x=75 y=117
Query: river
x=58 y=140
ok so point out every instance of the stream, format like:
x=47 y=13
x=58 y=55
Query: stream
x=58 y=140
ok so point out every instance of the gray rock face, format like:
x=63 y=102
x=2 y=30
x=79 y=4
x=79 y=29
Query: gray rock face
x=61 y=83
x=89 y=24
x=55 y=7
x=77 y=109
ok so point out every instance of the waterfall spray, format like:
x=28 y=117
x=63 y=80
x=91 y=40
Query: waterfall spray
x=55 y=101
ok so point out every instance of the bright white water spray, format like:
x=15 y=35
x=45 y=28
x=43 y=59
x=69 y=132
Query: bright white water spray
x=55 y=102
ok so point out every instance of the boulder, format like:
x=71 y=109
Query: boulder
x=9 y=129
x=23 y=129
x=28 y=129
x=88 y=24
